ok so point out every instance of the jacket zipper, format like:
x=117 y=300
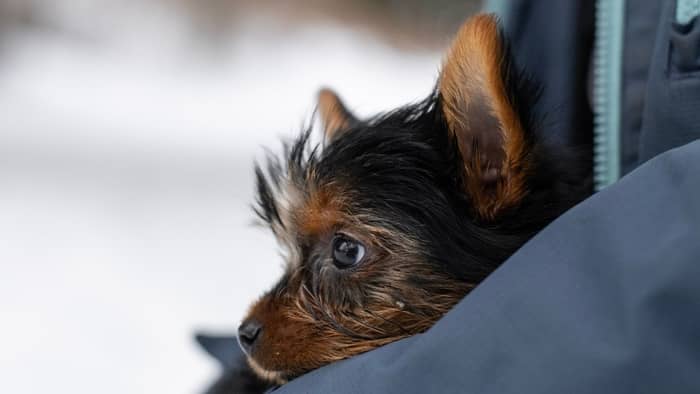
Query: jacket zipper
x=607 y=89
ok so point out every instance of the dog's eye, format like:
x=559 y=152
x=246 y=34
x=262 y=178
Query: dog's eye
x=346 y=251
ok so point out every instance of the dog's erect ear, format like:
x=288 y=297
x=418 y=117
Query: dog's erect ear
x=481 y=116
x=335 y=117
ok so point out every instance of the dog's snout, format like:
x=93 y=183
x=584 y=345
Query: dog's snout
x=248 y=333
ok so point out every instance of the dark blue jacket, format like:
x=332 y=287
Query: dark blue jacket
x=607 y=298
x=604 y=300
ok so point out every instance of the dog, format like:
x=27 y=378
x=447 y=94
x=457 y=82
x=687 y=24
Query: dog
x=392 y=220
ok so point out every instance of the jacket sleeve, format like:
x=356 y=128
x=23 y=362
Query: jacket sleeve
x=604 y=300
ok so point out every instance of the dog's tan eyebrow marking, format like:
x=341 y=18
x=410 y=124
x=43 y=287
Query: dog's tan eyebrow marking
x=322 y=211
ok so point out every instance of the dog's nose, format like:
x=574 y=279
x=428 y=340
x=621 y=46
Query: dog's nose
x=248 y=333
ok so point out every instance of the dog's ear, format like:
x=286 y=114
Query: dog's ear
x=335 y=117
x=481 y=116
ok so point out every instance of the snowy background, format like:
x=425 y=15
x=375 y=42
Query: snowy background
x=128 y=133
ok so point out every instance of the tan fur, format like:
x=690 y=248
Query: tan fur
x=321 y=212
x=471 y=74
x=334 y=116
x=294 y=341
x=323 y=314
x=381 y=306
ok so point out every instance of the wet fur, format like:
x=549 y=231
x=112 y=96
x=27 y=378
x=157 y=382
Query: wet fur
x=397 y=183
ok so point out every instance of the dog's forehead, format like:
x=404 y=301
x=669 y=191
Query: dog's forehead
x=358 y=180
x=322 y=208
x=307 y=210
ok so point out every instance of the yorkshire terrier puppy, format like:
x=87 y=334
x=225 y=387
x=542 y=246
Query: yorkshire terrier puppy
x=394 y=219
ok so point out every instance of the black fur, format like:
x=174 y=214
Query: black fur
x=404 y=168
x=403 y=171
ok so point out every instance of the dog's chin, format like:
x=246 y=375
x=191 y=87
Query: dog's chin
x=272 y=376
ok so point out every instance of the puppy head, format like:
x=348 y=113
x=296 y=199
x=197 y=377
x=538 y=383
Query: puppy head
x=394 y=219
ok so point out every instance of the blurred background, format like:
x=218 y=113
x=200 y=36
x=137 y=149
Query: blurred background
x=128 y=132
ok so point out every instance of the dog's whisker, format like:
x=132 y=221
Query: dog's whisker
x=341 y=328
x=391 y=322
x=391 y=221
x=368 y=326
